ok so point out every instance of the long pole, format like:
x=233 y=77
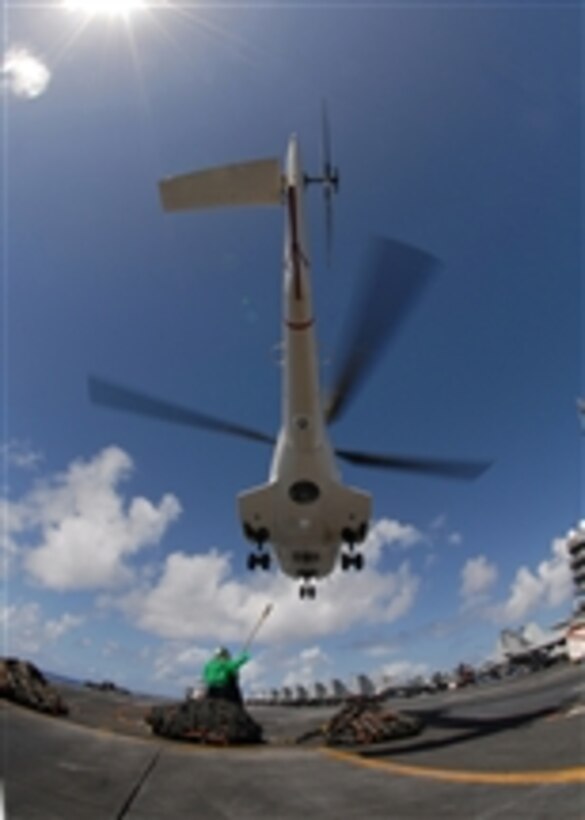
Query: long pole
x=265 y=613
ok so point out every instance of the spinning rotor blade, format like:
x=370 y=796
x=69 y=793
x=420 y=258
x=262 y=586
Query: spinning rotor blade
x=328 y=223
x=446 y=468
x=325 y=142
x=330 y=179
x=122 y=398
x=394 y=279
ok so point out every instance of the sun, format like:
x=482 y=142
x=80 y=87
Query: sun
x=111 y=8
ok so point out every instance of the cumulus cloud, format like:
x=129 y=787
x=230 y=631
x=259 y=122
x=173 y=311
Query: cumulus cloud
x=79 y=534
x=549 y=585
x=399 y=671
x=477 y=577
x=307 y=667
x=28 y=632
x=8 y=546
x=198 y=597
x=439 y=527
x=23 y=74
x=180 y=663
x=388 y=533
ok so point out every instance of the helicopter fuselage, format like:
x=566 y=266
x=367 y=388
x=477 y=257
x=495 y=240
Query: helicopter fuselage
x=304 y=511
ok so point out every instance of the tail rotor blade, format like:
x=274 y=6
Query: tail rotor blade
x=325 y=142
x=394 y=278
x=117 y=397
x=328 y=224
x=330 y=178
x=443 y=468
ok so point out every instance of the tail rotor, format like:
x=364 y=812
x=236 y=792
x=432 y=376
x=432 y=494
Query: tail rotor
x=328 y=179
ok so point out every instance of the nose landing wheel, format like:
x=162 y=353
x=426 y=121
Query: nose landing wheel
x=307 y=590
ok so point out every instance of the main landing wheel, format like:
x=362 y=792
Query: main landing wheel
x=258 y=560
x=307 y=591
x=355 y=560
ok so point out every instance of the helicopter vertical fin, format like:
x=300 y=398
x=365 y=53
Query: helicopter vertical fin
x=245 y=183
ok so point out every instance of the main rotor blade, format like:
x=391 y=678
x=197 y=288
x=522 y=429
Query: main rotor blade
x=445 y=468
x=394 y=278
x=122 y=398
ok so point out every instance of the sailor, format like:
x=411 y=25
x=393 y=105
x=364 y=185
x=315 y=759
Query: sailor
x=221 y=675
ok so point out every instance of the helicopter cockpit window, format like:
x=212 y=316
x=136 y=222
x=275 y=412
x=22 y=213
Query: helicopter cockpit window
x=304 y=492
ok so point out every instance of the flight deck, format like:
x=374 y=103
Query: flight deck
x=509 y=749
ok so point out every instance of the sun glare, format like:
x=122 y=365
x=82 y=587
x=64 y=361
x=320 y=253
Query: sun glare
x=111 y=8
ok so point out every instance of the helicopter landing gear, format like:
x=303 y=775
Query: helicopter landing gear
x=259 y=537
x=259 y=558
x=352 y=537
x=307 y=590
x=355 y=560
x=351 y=558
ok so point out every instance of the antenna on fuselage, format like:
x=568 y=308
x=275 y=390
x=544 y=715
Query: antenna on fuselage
x=329 y=179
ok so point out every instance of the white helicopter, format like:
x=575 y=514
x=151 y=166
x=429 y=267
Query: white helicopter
x=304 y=511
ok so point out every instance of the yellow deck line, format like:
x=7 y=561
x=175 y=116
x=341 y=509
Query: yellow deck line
x=574 y=774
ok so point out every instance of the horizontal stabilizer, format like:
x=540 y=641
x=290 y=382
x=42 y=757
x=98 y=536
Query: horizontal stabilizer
x=245 y=183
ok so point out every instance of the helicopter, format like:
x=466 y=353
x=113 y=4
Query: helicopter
x=310 y=518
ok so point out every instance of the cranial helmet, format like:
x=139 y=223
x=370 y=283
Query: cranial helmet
x=222 y=652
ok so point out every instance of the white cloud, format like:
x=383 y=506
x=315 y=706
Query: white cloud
x=27 y=632
x=379 y=650
x=388 y=533
x=399 y=671
x=439 y=526
x=8 y=546
x=55 y=629
x=549 y=585
x=180 y=663
x=253 y=675
x=313 y=654
x=23 y=74
x=78 y=531
x=198 y=597
x=308 y=666
x=477 y=576
x=20 y=454
x=195 y=598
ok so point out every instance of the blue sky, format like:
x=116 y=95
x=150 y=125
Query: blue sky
x=456 y=128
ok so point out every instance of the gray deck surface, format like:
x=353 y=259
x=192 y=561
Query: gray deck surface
x=101 y=763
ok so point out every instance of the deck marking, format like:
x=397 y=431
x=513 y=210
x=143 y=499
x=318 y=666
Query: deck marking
x=574 y=774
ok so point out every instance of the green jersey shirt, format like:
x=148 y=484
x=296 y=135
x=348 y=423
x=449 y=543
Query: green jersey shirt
x=218 y=671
